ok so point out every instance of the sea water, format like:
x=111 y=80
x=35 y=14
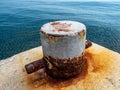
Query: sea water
x=20 y=22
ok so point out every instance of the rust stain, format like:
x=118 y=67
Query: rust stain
x=53 y=38
x=58 y=25
x=41 y=79
x=64 y=68
x=97 y=67
x=100 y=65
x=55 y=23
x=101 y=62
x=56 y=35
x=42 y=31
x=51 y=35
x=63 y=29
x=82 y=33
x=58 y=28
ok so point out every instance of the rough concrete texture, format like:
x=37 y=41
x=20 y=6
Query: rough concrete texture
x=102 y=72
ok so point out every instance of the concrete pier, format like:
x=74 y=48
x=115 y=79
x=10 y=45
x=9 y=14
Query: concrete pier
x=101 y=73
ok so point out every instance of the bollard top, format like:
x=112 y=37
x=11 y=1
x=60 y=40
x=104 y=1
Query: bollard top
x=63 y=28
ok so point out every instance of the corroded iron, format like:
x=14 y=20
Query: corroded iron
x=63 y=44
x=62 y=68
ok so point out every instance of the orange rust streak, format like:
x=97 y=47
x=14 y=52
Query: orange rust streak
x=101 y=61
x=82 y=33
x=53 y=83
x=58 y=25
x=55 y=23
x=99 y=64
x=65 y=30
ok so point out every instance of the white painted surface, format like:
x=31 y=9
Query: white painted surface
x=59 y=46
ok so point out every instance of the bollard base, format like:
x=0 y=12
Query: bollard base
x=64 y=68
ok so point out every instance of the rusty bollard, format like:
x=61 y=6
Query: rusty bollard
x=63 y=44
x=39 y=64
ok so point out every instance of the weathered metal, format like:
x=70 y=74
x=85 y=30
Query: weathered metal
x=34 y=66
x=88 y=44
x=63 y=44
x=64 y=68
x=39 y=64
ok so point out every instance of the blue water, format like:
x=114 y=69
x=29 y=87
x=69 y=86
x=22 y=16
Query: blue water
x=20 y=22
